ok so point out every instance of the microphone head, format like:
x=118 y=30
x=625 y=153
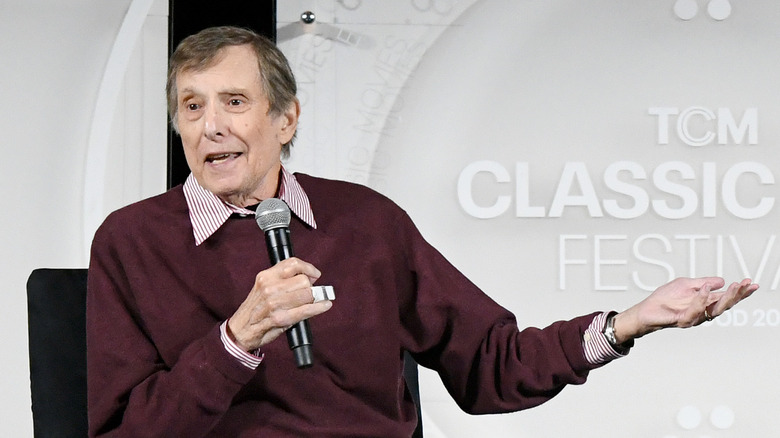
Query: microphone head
x=272 y=213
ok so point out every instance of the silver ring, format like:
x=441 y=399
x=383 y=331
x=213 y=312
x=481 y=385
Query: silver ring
x=322 y=293
x=707 y=315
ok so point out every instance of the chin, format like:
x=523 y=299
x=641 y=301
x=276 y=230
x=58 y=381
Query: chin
x=223 y=189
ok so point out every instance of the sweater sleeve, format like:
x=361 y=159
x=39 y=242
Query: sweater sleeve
x=487 y=364
x=132 y=392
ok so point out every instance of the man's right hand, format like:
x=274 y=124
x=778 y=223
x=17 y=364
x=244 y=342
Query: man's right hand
x=280 y=297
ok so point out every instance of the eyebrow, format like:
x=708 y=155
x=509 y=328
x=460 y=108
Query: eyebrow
x=234 y=91
x=186 y=92
x=189 y=91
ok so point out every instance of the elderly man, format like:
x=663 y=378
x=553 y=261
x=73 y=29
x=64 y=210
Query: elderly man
x=185 y=308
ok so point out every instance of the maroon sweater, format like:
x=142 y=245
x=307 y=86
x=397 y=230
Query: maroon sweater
x=157 y=367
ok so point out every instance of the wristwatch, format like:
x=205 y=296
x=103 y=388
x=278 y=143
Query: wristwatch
x=609 y=330
x=609 y=333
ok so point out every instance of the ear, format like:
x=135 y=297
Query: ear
x=289 y=122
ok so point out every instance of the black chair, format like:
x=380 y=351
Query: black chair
x=56 y=313
x=56 y=305
x=412 y=381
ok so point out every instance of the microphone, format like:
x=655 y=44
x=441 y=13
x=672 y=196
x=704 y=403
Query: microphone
x=273 y=217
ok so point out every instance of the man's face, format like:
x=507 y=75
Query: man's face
x=231 y=143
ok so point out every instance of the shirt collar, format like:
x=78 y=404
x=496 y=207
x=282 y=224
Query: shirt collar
x=208 y=212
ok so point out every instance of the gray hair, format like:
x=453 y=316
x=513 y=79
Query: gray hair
x=202 y=50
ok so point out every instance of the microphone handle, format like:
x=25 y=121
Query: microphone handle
x=299 y=335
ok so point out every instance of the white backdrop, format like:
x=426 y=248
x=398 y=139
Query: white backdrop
x=84 y=132
x=570 y=156
x=621 y=144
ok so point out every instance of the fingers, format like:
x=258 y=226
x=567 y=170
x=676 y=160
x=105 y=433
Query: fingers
x=294 y=266
x=296 y=314
x=288 y=276
x=708 y=304
x=287 y=285
x=280 y=297
x=284 y=318
x=265 y=323
x=714 y=283
x=723 y=301
x=687 y=302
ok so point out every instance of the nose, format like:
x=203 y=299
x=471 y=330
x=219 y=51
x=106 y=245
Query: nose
x=215 y=127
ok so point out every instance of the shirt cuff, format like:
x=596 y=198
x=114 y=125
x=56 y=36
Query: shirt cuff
x=597 y=349
x=251 y=361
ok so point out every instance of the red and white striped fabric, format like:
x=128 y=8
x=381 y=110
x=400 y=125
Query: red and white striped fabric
x=208 y=212
x=597 y=348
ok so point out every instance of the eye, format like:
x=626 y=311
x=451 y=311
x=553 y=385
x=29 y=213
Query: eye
x=236 y=103
x=193 y=106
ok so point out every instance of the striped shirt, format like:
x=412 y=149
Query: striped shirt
x=208 y=213
x=597 y=348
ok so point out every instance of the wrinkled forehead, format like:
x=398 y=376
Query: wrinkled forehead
x=233 y=66
x=209 y=60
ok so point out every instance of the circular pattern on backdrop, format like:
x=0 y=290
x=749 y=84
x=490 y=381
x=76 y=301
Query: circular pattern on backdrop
x=689 y=417
x=509 y=88
x=719 y=9
x=722 y=417
x=686 y=9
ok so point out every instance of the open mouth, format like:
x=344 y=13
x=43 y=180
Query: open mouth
x=221 y=158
